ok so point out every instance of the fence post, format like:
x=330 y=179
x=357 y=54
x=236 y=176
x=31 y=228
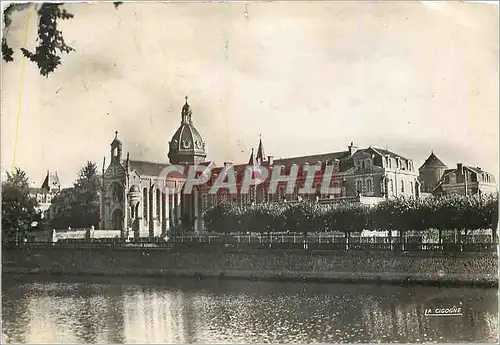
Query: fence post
x=294 y=239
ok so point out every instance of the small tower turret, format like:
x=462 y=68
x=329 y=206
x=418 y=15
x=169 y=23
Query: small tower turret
x=116 y=149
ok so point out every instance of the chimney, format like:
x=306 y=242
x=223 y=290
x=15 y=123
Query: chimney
x=270 y=160
x=352 y=149
x=460 y=168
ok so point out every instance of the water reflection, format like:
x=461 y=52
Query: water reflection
x=102 y=310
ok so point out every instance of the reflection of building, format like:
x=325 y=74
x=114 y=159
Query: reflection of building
x=132 y=195
x=46 y=193
x=437 y=179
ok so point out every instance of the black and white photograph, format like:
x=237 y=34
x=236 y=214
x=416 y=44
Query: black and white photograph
x=250 y=172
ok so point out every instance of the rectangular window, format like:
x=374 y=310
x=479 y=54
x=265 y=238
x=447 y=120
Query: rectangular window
x=402 y=186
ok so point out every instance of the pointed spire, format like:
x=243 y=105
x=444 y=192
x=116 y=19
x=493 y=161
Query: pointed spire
x=116 y=134
x=251 y=161
x=261 y=156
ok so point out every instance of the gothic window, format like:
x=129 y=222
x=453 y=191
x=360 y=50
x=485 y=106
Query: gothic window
x=145 y=203
x=369 y=186
x=158 y=204
x=359 y=186
x=163 y=205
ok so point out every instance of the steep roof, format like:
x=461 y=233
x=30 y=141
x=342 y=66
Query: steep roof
x=147 y=168
x=388 y=153
x=51 y=181
x=261 y=155
x=433 y=162
x=477 y=170
x=311 y=159
x=251 y=160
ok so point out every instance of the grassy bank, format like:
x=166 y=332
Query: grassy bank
x=326 y=266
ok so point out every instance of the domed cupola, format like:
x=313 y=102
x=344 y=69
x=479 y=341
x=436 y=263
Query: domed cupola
x=187 y=145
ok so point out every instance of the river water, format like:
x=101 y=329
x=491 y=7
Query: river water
x=151 y=310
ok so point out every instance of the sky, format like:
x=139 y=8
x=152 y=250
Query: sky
x=309 y=77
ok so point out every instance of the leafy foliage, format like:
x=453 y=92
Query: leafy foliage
x=50 y=39
x=18 y=207
x=78 y=207
x=399 y=214
x=7 y=51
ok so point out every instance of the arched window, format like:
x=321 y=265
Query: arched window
x=145 y=203
x=158 y=204
x=163 y=206
x=369 y=186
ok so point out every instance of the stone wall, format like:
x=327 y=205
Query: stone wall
x=255 y=264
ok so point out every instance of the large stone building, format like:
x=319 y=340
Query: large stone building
x=437 y=179
x=133 y=199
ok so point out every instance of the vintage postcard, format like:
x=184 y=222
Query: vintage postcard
x=250 y=172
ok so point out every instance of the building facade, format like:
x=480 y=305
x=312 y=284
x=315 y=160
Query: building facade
x=44 y=195
x=133 y=197
x=436 y=178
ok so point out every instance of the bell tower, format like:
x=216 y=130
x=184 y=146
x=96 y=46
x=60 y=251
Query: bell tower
x=116 y=149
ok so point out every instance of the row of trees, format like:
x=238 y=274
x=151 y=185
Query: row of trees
x=75 y=207
x=398 y=214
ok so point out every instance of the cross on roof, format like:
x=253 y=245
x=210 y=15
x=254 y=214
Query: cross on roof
x=186 y=98
x=116 y=134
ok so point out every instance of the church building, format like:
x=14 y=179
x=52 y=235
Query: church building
x=133 y=197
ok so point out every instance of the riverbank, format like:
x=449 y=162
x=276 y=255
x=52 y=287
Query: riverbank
x=277 y=265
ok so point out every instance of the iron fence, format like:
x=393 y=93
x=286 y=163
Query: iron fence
x=354 y=244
